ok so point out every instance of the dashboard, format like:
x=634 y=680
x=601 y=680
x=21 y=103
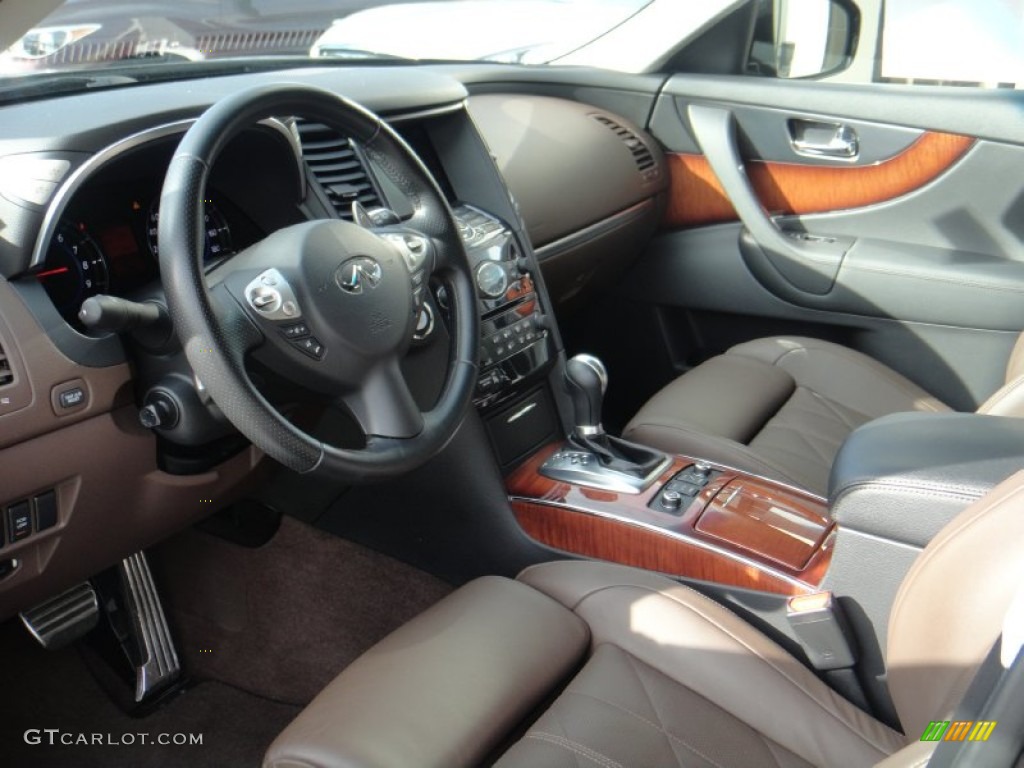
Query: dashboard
x=80 y=221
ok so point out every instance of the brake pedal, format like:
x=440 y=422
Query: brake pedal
x=63 y=619
x=157 y=665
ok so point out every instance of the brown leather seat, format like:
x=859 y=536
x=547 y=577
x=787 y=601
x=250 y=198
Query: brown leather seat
x=581 y=664
x=781 y=407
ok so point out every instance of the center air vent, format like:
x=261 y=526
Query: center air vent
x=6 y=374
x=641 y=154
x=338 y=166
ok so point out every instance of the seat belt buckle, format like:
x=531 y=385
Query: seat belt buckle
x=818 y=624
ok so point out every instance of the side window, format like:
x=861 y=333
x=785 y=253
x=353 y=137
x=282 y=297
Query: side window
x=918 y=42
x=952 y=42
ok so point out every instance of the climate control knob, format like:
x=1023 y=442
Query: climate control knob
x=491 y=279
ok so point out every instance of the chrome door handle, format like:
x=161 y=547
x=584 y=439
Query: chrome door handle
x=812 y=138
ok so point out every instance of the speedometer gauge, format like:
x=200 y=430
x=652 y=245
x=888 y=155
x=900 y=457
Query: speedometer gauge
x=217 y=234
x=75 y=269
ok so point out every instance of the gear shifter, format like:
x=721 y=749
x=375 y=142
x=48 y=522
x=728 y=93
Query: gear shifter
x=586 y=380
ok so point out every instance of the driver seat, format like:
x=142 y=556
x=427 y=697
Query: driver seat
x=593 y=664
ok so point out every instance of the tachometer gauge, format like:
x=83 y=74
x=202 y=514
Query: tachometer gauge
x=75 y=269
x=217 y=232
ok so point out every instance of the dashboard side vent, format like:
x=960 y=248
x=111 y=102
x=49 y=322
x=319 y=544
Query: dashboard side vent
x=339 y=167
x=6 y=374
x=641 y=154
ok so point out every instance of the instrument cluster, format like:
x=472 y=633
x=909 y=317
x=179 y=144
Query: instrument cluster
x=106 y=242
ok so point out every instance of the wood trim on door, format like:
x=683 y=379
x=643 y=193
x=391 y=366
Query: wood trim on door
x=696 y=197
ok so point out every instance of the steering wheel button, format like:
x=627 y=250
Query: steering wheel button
x=311 y=346
x=295 y=331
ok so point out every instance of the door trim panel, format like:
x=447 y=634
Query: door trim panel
x=696 y=197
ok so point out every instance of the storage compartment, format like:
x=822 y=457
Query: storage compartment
x=523 y=427
x=766 y=520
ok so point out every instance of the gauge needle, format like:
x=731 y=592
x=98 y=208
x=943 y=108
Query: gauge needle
x=52 y=272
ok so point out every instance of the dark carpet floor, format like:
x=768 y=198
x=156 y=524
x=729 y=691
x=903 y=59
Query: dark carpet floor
x=283 y=620
x=259 y=631
x=54 y=690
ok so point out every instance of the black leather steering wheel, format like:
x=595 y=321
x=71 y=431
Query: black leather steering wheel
x=329 y=304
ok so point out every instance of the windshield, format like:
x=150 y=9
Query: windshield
x=96 y=34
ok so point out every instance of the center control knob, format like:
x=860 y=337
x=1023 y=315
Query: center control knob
x=491 y=279
x=672 y=500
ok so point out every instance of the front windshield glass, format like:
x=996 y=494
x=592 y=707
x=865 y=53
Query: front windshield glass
x=87 y=35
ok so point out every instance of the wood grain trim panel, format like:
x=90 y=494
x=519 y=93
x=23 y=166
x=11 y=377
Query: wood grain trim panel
x=623 y=528
x=618 y=542
x=696 y=197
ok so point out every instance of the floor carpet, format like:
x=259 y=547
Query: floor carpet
x=259 y=630
x=54 y=690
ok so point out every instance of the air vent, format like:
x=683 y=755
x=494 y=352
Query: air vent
x=338 y=166
x=6 y=374
x=641 y=154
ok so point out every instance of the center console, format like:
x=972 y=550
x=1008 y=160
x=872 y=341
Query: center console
x=598 y=496
x=696 y=520
x=514 y=337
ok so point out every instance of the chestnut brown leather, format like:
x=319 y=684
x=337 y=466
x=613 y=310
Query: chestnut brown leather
x=671 y=677
x=444 y=689
x=778 y=407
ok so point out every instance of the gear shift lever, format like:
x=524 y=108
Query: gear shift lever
x=586 y=380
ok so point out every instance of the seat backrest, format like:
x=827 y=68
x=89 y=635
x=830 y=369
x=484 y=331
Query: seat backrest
x=950 y=608
x=1008 y=400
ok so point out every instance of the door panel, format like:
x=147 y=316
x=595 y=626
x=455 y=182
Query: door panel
x=910 y=250
x=697 y=198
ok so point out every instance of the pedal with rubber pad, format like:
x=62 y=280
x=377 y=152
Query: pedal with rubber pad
x=63 y=619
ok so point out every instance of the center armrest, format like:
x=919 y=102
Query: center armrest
x=903 y=477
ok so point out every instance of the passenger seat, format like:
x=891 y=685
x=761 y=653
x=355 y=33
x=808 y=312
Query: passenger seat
x=781 y=406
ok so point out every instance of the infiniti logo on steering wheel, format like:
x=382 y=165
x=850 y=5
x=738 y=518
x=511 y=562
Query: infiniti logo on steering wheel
x=358 y=273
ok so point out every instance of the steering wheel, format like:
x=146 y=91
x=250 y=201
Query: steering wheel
x=328 y=304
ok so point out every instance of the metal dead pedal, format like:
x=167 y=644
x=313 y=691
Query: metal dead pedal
x=63 y=619
x=158 y=663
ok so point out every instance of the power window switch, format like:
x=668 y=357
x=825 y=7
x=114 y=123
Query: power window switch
x=46 y=510
x=19 y=521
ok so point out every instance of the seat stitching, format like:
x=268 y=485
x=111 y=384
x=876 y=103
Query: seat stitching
x=770 y=746
x=806 y=440
x=782 y=673
x=643 y=719
x=951 y=532
x=650 y=700
x=835 y=410
x=575 y=747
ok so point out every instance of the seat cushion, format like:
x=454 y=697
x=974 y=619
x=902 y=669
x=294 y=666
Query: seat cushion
x=620 y=711
x=443 y=690
x=679 y=660
x=778 y=407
